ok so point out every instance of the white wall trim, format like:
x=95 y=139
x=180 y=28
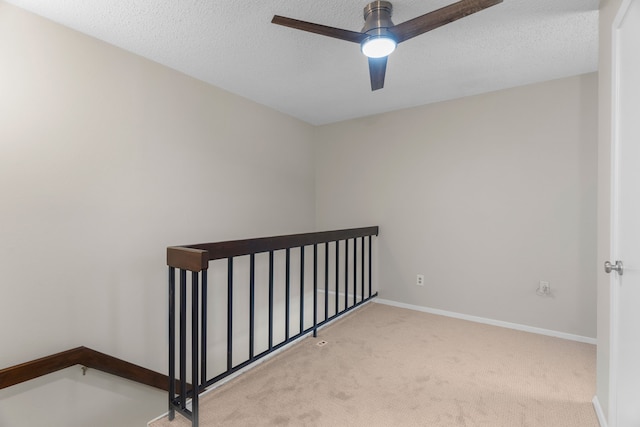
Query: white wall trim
x=493 y=322
x=614 y=298
x=601 y=418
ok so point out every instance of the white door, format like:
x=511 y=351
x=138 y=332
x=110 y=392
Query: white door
x=625 y=288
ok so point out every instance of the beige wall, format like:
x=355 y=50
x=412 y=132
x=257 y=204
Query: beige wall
x=105 y=160
x=608 y=11
x=485 y=196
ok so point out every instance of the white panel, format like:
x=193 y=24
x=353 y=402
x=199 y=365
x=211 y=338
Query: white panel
x=627 y=215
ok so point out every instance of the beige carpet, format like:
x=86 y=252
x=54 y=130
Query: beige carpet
x=387 y=366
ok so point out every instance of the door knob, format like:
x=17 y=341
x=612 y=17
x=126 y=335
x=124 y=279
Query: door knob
x=608 y=267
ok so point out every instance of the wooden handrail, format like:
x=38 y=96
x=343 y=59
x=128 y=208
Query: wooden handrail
x=196 y=257
x=86 y=357
x=43 y=366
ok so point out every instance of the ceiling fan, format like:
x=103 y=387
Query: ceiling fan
x=379 y=36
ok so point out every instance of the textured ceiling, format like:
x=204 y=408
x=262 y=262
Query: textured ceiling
x=232 y=44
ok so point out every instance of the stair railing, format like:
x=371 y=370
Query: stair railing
x=343 y=258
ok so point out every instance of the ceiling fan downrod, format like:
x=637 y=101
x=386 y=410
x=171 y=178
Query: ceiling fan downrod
x=379 y=41
x=377 y=15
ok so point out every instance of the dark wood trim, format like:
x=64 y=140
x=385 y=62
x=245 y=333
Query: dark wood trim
x=86 y=357
x=187 y=258
x=43 y=366
x=193 y=256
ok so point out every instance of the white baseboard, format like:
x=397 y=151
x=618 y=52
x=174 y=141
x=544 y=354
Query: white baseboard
x=601 y=418
x=493 y=322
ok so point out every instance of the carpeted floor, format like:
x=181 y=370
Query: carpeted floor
x=388 y=366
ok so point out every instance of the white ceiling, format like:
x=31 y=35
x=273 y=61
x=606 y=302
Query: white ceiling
x=232 y=44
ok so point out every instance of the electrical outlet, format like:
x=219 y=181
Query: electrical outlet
x=420 y=280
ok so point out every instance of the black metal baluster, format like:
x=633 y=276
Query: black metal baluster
x=337 y=277
x=230 y=314
x=194 y=349
x=252 y=302
x=287 y=292
x=370 y=290
x=326 y=280
x=315 y=290
x=203 y=316
x=270 y=300
x=346 y=274
x=355 y=271
x=301 y=289
x=172 y=341
x=183 y=338
x=362 y=269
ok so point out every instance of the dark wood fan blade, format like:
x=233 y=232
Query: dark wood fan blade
x=338 y=33
x=437 y=18
x=377 y=70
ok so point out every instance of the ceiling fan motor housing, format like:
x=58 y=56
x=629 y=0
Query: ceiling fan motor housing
x=377 y=18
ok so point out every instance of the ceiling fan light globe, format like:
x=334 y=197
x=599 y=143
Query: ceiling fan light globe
x=378 y=46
